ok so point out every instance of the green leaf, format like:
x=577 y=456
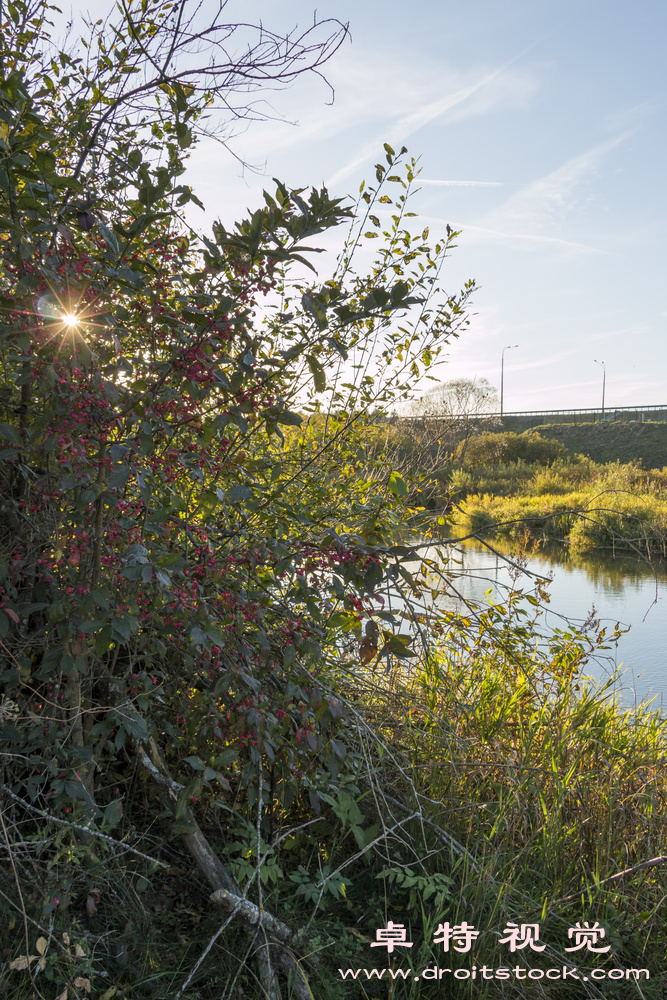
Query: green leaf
x=119 y=476
x=103 y=641
x=196 y=762
x=110 y=240
x=89 y=628
x=130 y=720
x=238 y=493
x=338 y=347
x=287 y=417
x=397 y=485
x=317 y=310
x=123 y=627
x=11 y=434
x=398 y=645
x=373 y=577
x=317 y=372
x=113 y=814
x=344 y=620
x=399 y=292
x=217 y=637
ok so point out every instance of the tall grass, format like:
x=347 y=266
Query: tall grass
x=535 y=478
x=548 y=787
x=496 y=783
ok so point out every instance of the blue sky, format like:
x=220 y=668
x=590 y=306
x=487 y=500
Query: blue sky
x=541 y=131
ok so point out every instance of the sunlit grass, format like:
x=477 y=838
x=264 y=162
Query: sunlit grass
x=599 y=517
x=551 y=787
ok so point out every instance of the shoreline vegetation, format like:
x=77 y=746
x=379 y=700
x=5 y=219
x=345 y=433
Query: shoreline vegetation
x=530 y=488
x=612 y=520
x=541 y=774
x=586 y=506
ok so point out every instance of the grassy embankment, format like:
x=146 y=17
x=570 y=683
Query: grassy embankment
x=611 y=441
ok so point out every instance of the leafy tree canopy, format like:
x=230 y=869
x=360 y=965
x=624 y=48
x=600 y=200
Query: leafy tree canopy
x=189 y=556
x=462 y=398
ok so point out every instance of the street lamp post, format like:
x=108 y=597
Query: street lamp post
x=502 y=375
x=604 y=379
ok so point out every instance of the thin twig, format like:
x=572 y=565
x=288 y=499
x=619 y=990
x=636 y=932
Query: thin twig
x=91 y=831
x=203 y=955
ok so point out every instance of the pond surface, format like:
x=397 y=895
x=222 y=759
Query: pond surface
x=621 y=589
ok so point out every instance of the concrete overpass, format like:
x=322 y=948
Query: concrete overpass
x=533 y=418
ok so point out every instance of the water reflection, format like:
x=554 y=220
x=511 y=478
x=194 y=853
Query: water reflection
x=624 y=590
x=613 y=573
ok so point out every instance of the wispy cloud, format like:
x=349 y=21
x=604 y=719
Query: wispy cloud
x=551 y=360
x=392 y=112
x=484 y=234
x=539 y=390
x=547 y=200
x=630 y=117
x=496 y=236
x=464 y=101
x=463 y=184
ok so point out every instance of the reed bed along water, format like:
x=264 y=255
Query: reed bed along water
x=611 y=520
x=618 y=508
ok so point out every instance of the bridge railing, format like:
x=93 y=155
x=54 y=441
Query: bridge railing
x=585 y=415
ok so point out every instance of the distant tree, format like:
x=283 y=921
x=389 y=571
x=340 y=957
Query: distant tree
x=464 y=398
x=451 y=413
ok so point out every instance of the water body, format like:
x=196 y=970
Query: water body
x=621 y=589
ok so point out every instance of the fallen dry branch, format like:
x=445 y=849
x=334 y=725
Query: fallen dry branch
x=275 y=937
x=253 y=915
x=651 y=863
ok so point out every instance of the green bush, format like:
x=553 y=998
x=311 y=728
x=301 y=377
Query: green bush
x=189 y=564
x=503 y=448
